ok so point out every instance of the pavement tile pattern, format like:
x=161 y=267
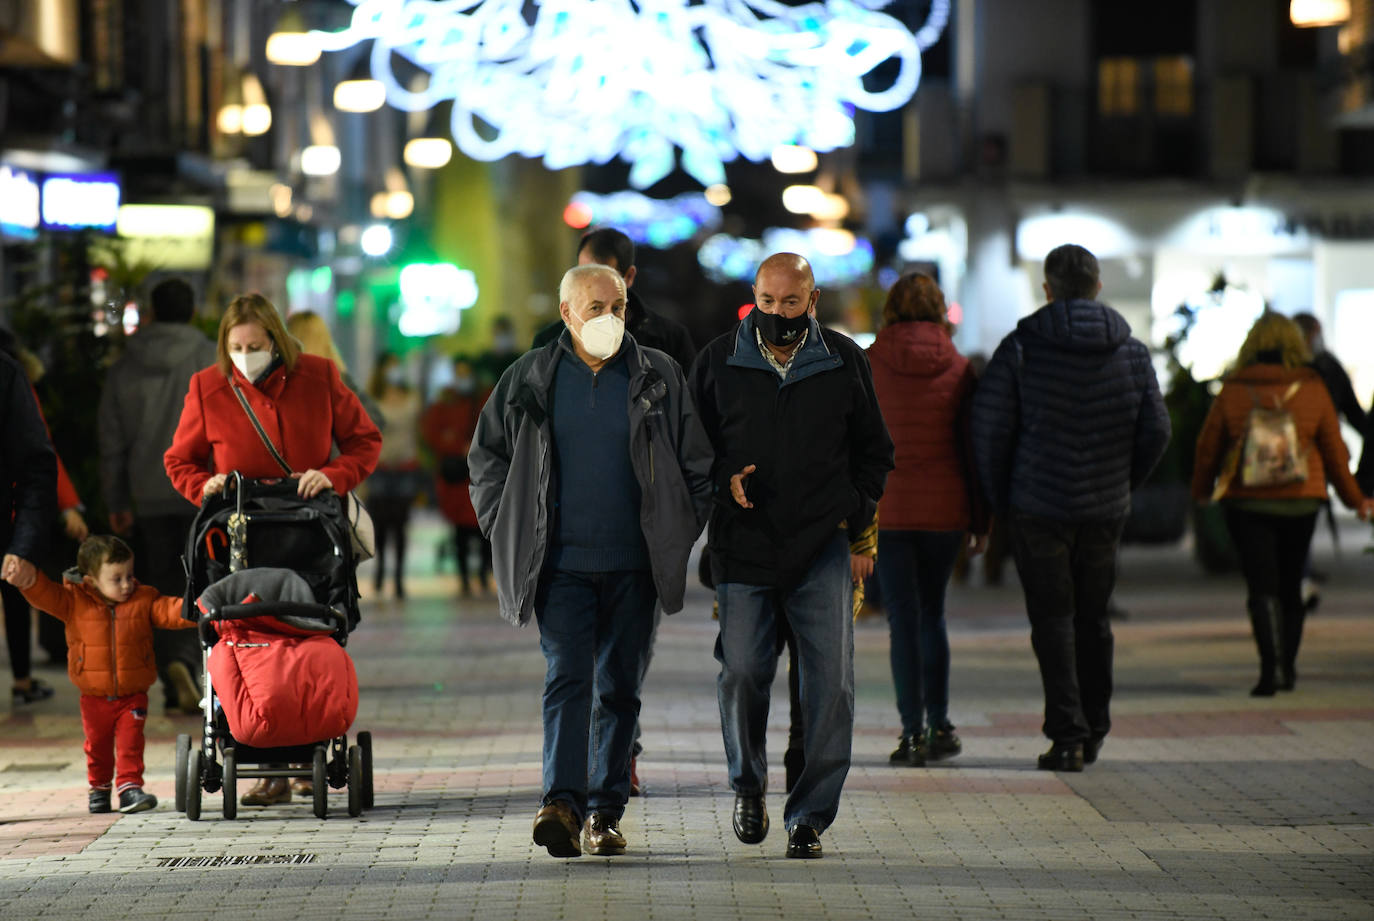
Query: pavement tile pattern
x=1205 y=804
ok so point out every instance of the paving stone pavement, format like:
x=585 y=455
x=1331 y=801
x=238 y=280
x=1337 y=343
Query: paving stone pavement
x=1206 y=803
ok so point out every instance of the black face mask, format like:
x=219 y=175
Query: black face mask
x=779 y=330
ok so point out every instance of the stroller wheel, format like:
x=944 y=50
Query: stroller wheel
x=193 y=765
x=320 y=779
x=355 y=781
x=231 y=777
x=183 y=754
x=365 y=749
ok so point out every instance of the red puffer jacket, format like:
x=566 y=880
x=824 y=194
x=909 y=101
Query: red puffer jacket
x=924 y=389
x=304 y=412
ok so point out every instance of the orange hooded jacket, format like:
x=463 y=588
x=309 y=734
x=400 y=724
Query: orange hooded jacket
x=109 y=646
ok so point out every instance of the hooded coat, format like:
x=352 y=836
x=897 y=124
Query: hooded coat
x=1068 y=417
x=109 y=646
x=925 y=390
x=139 y=407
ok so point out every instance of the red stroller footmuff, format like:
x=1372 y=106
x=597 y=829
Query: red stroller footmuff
x=280 y=677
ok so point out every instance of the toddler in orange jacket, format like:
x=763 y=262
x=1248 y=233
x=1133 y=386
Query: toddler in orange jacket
x=110 y=620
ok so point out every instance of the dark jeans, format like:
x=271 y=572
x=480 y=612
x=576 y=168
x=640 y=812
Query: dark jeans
x=1273 y=551
x=390 y=518
x=594 y=631
x=1068 y=571
x=914 y=568
x=160 y=541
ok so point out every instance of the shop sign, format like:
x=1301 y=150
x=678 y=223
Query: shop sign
x=77 y=200
x=167 y=236
x=18 y=203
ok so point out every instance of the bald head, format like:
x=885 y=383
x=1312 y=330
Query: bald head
x=783 y=265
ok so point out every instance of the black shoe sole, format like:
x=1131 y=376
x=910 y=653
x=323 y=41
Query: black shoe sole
x=556 y=837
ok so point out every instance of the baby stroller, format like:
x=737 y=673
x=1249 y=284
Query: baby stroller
x=270 y=581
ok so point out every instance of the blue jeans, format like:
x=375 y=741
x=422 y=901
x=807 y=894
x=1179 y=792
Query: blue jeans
x=819 y=613
x=594 y=631
x=914 y=569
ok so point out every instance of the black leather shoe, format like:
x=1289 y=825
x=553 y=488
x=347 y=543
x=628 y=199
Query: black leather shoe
x=1062 y=757
x=1091 y=748
x=910 y=752
x=751 y=818
x=99 y=801
x=804 y=842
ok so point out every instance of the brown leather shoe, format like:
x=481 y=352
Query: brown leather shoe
x=302 y=787
x=601 y=836
x=267 y=792
x=556 y=828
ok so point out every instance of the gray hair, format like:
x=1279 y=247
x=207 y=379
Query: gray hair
x=580 y=275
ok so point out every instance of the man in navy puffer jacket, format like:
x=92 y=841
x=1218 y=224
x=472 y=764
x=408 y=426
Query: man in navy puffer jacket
x=1067 y=420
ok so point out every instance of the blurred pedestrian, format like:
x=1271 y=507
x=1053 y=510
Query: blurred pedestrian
x=1332 y=372
x=1271 y=513
x=590 y=477
x=309 y=419
x=931 y=508
x=1067 y=420
x=28 y=505
x=801 y=458
x=144 y=392
x=447 y=427
x=394 y=485
x=313 y=334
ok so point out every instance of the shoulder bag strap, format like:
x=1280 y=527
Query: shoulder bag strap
x=257 y=426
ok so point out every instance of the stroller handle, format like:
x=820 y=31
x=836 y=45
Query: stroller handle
x=272 y=609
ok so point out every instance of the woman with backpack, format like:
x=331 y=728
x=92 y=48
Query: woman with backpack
x=1268 y=446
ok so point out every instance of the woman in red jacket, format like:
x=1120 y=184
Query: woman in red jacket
x=1271 y=523
x=929 y=509
x=304 y=408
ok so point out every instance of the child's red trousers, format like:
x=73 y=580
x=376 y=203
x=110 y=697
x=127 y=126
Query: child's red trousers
x=114 y=730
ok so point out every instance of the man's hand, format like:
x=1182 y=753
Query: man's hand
x=74 y=524
x=312 y=483
x=121 y=522
x=213 y=485
x=737 y=487
x=18 y=572
x=860 y=567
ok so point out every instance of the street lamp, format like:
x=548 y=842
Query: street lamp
x=1313 y=13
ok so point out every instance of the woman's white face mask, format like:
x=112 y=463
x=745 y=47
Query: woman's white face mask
x=251 y=364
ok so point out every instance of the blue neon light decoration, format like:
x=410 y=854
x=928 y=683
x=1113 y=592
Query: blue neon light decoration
x=589 y=80
x=725 y=258
x=657 y=222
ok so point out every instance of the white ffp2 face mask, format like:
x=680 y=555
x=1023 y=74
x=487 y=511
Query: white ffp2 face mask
x=251 y=364
x=601 y=336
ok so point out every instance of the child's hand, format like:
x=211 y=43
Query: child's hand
x=18 y=572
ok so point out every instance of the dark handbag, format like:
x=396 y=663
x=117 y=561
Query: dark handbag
x=360 y=529
x=453 y=469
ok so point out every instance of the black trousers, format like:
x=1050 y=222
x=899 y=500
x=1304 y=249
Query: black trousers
x=18 y=630
x=159 y=542
x=1068 y=571
x=1273 y=551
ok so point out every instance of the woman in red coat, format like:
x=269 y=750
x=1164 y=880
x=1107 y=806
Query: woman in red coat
x=929 y=507
x=303 y=406
x=447 y=428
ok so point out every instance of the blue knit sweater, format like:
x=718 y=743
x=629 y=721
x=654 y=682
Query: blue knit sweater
x=596 y=494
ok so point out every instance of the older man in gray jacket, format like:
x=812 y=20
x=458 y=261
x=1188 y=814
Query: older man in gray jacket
x=591 y=477
x=139 y=409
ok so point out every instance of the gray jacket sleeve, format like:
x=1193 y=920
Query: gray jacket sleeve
x=695 y=455
x=490 y=454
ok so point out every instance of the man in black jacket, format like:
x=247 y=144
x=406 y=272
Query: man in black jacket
x=1067 y=420
x=608 y=246
x=28 y=484
x=802 y=456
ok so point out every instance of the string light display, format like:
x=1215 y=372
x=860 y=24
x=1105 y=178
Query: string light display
x=589 y=80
